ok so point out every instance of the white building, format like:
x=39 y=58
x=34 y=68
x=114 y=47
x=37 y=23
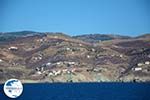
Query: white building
x=1 y=60
x=121 y=56
x=147 y=63
x=138 y=69
x=140 y=64
x=13 y=48
x=48 y=64
x=88 y=56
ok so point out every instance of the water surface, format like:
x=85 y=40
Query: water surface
x=83 y=91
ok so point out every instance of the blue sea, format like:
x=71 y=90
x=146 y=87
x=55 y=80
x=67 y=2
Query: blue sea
x=83 y=91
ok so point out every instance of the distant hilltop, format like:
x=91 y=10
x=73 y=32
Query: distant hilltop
x=93 y=38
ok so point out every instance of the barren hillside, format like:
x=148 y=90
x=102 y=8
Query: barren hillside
x=51 y=57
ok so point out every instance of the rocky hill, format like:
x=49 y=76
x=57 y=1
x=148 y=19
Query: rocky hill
x=56 y=57
x=93 y=38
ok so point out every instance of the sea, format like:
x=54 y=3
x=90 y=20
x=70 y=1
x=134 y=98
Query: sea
x=82 y=91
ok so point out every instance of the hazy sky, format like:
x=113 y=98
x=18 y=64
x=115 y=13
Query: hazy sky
x=127 y=17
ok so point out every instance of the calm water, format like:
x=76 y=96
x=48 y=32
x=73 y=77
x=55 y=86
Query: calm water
x=83 y=91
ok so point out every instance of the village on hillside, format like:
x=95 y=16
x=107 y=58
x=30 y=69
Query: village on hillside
x=62 y=58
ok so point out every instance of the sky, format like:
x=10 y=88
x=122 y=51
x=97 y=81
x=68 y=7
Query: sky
x=75 y=17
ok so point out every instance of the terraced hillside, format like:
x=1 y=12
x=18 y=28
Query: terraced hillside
x=56 y=57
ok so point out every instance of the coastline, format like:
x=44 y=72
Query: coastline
x=43 y=82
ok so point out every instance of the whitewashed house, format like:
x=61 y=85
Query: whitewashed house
x=137 y=69
x=147 y=63
x=13 y=48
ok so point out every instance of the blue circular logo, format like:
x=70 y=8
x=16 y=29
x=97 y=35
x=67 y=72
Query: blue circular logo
x=13 y=88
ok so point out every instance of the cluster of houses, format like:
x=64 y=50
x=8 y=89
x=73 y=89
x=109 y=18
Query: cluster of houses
x=121 y=56
x=54 y=72
x=37 y=58
x=61 y=71
x=62 y=63
x=140 y=66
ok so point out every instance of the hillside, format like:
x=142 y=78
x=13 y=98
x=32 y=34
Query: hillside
x=93 y=38
x=56 y=57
